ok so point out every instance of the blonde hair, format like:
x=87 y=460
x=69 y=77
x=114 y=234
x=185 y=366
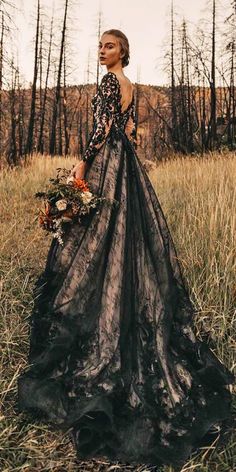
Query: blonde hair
x=124 y=44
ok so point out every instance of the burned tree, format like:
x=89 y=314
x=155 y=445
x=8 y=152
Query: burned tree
x=41 y=144
x=52 y=146
x=212 y=136
x=30 y=137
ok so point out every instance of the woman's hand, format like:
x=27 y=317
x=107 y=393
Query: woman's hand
x=79 y=171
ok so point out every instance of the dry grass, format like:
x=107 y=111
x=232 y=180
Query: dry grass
x=198 y=197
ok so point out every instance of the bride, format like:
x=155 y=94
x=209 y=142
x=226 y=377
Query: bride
x=114 y=358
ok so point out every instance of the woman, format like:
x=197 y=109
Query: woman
x=113 y=353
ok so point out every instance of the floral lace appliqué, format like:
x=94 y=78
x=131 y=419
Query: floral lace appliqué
x=106 y=108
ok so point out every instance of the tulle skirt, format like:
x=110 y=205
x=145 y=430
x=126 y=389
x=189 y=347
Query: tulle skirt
x=114 y=358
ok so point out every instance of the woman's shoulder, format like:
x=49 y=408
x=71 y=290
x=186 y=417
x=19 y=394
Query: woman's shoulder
x=110 y=83
x=109 y=77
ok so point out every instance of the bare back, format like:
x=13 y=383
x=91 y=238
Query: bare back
x=126 y=90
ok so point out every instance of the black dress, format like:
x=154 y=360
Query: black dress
x=114 y=359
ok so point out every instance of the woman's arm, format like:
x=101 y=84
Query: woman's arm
x=104 y=116
x=103 y=120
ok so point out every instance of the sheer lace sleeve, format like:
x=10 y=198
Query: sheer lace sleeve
x=108 y=97
x=131 y=126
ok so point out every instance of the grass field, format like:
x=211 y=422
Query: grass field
x=198 y=196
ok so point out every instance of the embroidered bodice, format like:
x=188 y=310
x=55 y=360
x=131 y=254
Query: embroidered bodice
x=107 y=112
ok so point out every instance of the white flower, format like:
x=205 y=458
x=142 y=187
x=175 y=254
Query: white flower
x=70 y=179
x=86 y=197
x=61 y=204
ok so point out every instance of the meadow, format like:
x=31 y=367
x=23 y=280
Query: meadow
x=198 y=196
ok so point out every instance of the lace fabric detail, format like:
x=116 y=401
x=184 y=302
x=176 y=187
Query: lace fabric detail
x=106 y=106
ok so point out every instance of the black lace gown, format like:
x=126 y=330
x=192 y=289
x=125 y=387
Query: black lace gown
x=114 y=359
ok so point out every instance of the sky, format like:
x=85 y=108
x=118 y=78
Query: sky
x=145 y=23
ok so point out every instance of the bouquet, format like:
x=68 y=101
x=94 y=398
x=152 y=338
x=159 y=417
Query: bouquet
x=67 y=200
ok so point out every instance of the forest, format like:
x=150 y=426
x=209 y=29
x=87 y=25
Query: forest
x=186 y=128
x=193 y=113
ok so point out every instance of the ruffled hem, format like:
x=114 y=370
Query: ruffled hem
x=101 y=425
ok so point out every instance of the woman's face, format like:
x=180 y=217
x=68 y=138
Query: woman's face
x=109 y=50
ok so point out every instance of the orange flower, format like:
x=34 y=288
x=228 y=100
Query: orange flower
x=81 y=184
x=45 y=218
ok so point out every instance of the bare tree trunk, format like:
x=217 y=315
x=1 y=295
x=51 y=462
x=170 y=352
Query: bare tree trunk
x=204 y=116
x=60 y=147
x=183 y=118
x=1 y=76
x=12 y=153
x=212 y=137
x=232 y=76
x=80 y=133
x=21 y=114
x=52 y=146
x=43 y=113
x=231 y=123
x=66 y=135
x=229 y=107
x=190 y=143
x=40 y=62
x=175 y=137
x=29 y=145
